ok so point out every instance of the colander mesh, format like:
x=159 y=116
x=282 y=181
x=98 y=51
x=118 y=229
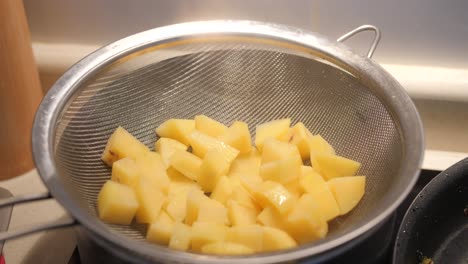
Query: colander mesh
x=227 y=80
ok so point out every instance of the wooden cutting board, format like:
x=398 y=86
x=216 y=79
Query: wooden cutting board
x=20 y=91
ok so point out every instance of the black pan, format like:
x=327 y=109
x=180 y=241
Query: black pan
x=436 y=224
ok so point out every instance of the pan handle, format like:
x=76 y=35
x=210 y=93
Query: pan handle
x=36 y=228
x=362 y=28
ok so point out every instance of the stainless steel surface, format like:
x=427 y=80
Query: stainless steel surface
x=5 y=214
x=228 y=70
x=362 y=28
x=14 y=200
x=23 y=199
x=36 y=228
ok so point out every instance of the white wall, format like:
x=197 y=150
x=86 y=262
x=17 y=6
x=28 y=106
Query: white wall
x=416 y=32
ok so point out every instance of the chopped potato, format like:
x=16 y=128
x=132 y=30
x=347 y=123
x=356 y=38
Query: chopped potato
x=209 y=126
x=125 y=171
x=318 y=145
x=247 y=235
x=212 y=211
x=117 y=203
x=274 y=150
x=179 y=183
x=181 y=237
x=305 y=222
x=187 y=164
x=273 y=129
x=194 y=200
x=150 y=200
x=238 y=137
x=207 y=189
x=176 y=204
x=300 y=136
x=312 y=183
x=271 y=217
x=276 y=239
x=274 y=194
x=207 y=232
x=166 y=147
x=247 y=164
x=223 y=190
x=213 y=166
x=151 y=167
x=348 y=191
x=332 y=166
x=226 y=248
x=243 y=197
x=241 y=215
x=282 y=171
x=122 y=144
x=160 y=231
x=202 y=143
x=294 y=187
x=178 y=129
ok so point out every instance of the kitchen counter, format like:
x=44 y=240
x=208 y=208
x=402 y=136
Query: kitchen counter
x=54 y=246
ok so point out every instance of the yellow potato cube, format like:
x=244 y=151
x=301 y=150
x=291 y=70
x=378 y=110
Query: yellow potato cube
x=176 y=205
x=226 y=248
x=166 y=147
x=331 y=166
x=276 y=239
x=282 y=171
x=180 y=186
x=271 y=217
x=300 y=136
x=212 y=211
x=248 y=235
x=178 y=129
x=125 y=171
x=209 y=126
x=201 y=143
x=274 y=194
x=313 y=184
x=241 y=215
x=205 y=233
x=248 y=182
x=318 y=145
x=348 y=191
x=152 y=169
x=194 y=200
x=243 y=197
x=150 y=199
x=294 y=187
x=222 y=191
x=160 y=231
x=274 y=150
x=273 y=129
x=247 y=164
x=179 y=183
x=117 y=203
x=187 y=164
x=122 y=144
x=305 y=222
x=213 y=166
x=238 y=137
x=181 y=236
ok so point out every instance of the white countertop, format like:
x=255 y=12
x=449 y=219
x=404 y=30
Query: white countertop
x=36 y=248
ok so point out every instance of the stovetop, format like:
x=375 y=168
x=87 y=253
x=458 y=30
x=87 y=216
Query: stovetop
x=383 y=255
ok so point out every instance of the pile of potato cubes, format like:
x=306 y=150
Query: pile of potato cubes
x=205 y=188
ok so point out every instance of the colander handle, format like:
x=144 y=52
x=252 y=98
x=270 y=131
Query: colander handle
x=362 y=28
x=36 y=228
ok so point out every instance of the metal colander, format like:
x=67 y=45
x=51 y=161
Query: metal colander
x=228 y=70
